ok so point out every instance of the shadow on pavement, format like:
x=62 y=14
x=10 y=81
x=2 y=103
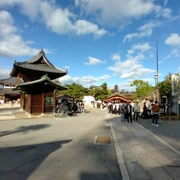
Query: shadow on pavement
x=22 y=161
x=24 y=129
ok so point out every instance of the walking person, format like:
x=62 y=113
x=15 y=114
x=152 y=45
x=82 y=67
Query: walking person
x=122 y=107
x=129 y=112
x=136 y=110
x=145 y=111
x=155 y=116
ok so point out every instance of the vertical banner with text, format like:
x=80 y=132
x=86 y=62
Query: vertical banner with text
x=174 y=84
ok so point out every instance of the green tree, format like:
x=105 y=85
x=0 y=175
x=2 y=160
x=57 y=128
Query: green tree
x=165 y=88
x=75 y=90
x=143 y=89
x=99 y=93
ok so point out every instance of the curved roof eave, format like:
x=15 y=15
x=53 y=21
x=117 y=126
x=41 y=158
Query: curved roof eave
x=43 y=79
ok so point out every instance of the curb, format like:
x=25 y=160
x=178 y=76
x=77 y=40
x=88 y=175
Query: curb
x=122 y=166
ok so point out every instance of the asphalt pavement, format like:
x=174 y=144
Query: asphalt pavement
x=143 y=151
x=58 y=148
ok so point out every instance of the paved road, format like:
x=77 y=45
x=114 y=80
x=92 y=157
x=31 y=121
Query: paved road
x=57 y=148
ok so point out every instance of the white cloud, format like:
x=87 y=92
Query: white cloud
x=11 y=43
x=165 y=2
x=27 y=7
x=104 y=77
x=140 y=47
x=66 y=67
x=66 y=79
x=94 y=61
x=116 y=57
x=162 y=12
x=58 y=20
x=174 y=53
x=144 y=31
x=126 y=87
x=62 y=22
x=4 y=72
x=85 y=81
x=176 y=18
x=76 y=2
x=173 y=40
x=116 y=12
x=82 y=27
x=131 y=68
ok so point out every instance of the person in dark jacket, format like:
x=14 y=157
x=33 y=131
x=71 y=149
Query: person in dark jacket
x=129 y=112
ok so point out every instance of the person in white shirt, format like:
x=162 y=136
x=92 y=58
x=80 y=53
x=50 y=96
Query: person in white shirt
x=136 y=110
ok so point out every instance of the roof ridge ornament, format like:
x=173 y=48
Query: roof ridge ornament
x=42 y=51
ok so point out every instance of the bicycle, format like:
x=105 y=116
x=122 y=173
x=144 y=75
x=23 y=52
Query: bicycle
x=61 y=110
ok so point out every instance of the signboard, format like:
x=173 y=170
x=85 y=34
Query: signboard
x=174 y=84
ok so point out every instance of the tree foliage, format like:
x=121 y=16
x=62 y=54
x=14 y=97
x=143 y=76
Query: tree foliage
x=78 y=91
x=143 y=89
x=165 y=86
x=75 y=90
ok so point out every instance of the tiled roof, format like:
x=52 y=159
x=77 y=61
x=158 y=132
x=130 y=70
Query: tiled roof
x=40 y=67
x=11 y=80
x=43 y=79
x=34 y=59
x=36 y=64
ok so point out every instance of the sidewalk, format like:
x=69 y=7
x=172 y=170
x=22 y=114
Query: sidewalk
x=8 y=112
x=142 y=155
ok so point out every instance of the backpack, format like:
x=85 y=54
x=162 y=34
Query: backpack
x=156 y=108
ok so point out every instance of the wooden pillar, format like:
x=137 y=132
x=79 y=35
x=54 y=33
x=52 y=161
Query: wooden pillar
x=43 y=103
x=54 y=97
x=30 y=104
x=22 y=100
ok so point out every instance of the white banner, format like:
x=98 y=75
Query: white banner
x=174 y=84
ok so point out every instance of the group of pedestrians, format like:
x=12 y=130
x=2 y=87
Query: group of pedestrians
x=131 y=111
x=126 y=112
x=152 y=109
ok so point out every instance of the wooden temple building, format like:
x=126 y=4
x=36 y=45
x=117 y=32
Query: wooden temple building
x=7 y=94
x=116 y=97
x=38 y=91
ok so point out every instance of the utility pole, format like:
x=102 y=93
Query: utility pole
x=157 y=73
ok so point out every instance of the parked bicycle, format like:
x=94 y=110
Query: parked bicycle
x=61 y=110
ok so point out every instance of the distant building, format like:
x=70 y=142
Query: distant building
x=6 y=92
x=118 y=98
x=95 y=87
x=116 y=89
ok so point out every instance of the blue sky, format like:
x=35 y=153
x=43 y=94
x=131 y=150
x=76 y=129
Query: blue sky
x=96 y=40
